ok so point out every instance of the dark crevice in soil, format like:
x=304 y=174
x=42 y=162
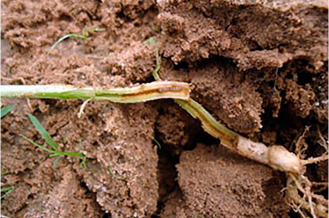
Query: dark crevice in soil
x=167 y=177
x=107 y=215
x=65 y=17
x=204 y=138
x=304 y=78
x=122 y=16
x=324 y=193
x=168 y=160
x=273 y=124
x=180 y=65
x=293 y=214
x=167 y=172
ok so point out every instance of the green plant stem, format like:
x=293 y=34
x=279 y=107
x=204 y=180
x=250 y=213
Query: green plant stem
x=276 y=157
x=209 y=123
x=140 y=93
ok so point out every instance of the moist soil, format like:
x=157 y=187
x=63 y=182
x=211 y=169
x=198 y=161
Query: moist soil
x=259 y=67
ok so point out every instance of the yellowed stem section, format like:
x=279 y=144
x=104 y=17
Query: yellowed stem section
x=277 y=157
x=134 y=94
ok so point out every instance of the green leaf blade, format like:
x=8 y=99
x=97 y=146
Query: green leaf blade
x=73 y=154
x=6 y=110
x=45 y=135
x=36 y=144
x=56 y=161
x=6 y=191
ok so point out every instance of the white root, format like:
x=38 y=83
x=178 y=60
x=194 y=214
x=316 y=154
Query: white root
x=316 y=205
x=277 y=157
x=300 y=194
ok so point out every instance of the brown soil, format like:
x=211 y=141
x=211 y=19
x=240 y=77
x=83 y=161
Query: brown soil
x=259 y=68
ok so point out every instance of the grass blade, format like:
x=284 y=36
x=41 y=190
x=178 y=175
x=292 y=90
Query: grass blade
x=63 y=38
x=66 y=153
x=39 y=146
x=150 y=41
x=50 y=141
x=6 y=110
x=7 y=191
x=43 y=132
x=83 y=163
x=52 y=152
x=84 y=36
x=56 y=161
x=87 y=31
x=156 y=142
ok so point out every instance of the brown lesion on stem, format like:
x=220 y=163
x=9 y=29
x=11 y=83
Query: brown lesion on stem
x=166 y=89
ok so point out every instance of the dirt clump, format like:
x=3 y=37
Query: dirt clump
x=122 y=165
x=175 y=129
x=254 y=34
x=67 y=199
x=215 y=182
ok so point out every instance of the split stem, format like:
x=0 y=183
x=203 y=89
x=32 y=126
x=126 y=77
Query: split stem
x=140 y=93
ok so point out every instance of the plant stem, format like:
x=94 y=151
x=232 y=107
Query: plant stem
x=140 y=93
x=276 y=157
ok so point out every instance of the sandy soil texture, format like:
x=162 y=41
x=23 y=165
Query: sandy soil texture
x=259 y=67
